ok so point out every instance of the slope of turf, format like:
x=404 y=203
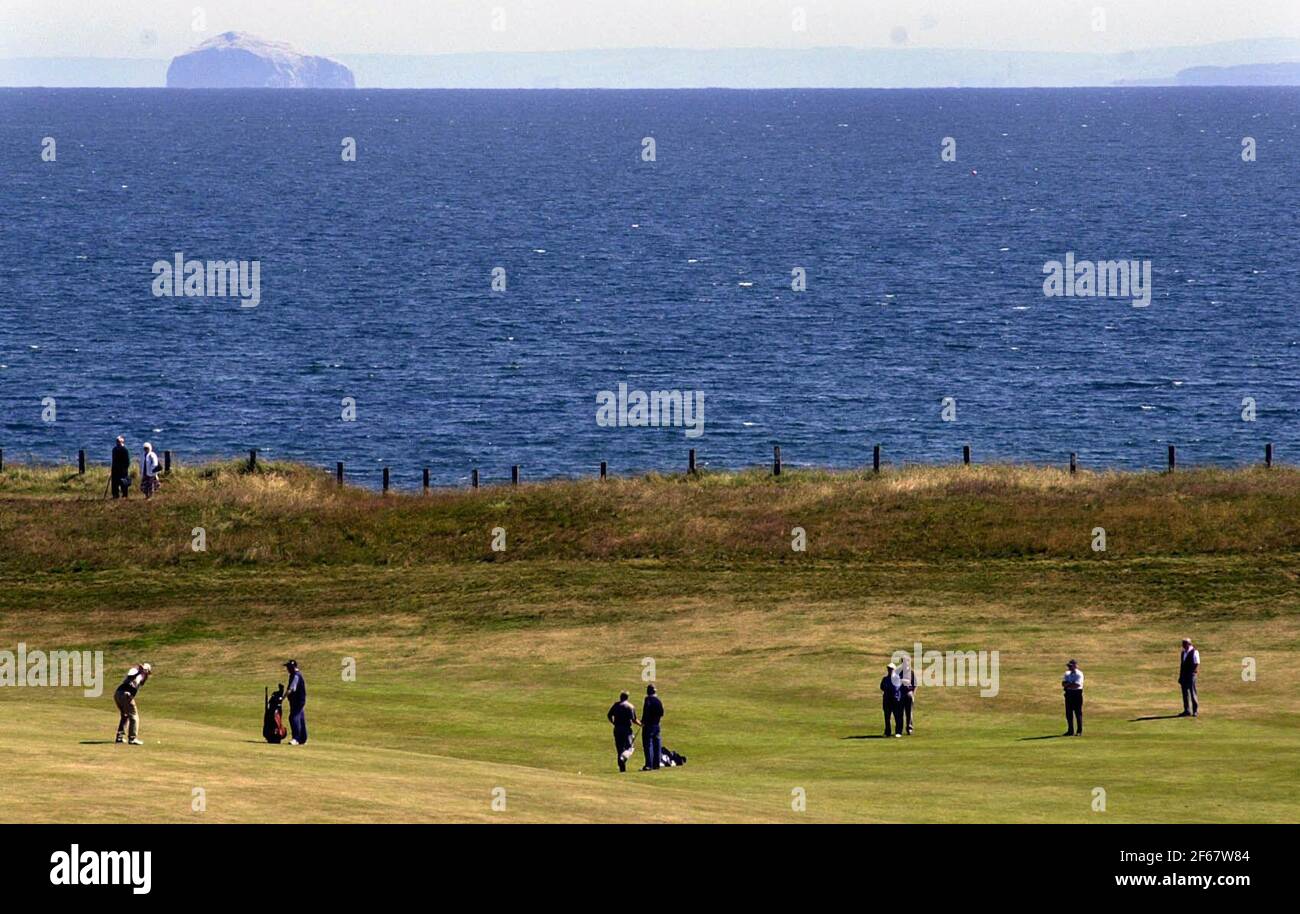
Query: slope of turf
x=481 y=671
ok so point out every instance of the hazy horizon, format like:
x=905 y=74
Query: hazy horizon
x=665 y=43
x=647 y=47
x=153 y=29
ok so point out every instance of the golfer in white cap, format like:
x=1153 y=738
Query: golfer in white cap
x=149 y=471
x=1072 y=686
x=891 y=688
x=124 y=698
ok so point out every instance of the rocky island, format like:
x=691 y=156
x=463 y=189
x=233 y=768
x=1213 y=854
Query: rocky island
x=237 y=60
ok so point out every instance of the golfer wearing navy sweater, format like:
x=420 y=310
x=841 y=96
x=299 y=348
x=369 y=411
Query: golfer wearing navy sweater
x=297 y=693
x=652 y=711
x=891 y=691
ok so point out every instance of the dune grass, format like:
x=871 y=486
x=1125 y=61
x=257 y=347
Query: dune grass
x=479 y=669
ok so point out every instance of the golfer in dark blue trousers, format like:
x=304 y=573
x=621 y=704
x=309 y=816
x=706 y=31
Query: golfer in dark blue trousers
x=297 y=693
x=652 y=711
x=891 y=690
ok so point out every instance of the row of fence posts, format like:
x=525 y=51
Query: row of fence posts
x=1172 y=458
x=81 y=462
x=604 y=466
x=692 y=469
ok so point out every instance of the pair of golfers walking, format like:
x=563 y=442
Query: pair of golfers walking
x=119 y=473
x=622 y=714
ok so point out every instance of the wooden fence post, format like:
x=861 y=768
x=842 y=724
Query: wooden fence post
x=385 y=480
x=1074 y=463
x=473 y=478
x=426 y=480
x=167 y=463
x=81 y=462
x=514 y=475
x=338 y=472
x=776 y=460
x=1268 y=455
x=965 y=454
x=252 y=459
x=875 y=459
x=604 y=469
x=690 y=463
x=1173 y=458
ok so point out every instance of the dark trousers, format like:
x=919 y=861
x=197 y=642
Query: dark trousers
x=298 y=723
x=907 y=710
x=1074 y=711
x=894 y=711
x=652 y=745
x=121 y=485
x=623 y=741
x=1190 y=704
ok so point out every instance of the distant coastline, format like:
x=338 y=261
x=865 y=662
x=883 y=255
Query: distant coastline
x=1255 y=62
x=1253 y=74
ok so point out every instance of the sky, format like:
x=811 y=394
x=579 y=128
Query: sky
x=164 y=28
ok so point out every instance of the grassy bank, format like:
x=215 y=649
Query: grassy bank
x=479 y=669
x=285 y=514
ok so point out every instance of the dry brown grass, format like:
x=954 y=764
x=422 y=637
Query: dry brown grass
x=295 y=515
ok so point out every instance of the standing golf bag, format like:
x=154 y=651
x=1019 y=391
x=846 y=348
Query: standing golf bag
x=272 y=725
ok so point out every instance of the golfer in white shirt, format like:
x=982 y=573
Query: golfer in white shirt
x=1189 y=666
x=1072 y=685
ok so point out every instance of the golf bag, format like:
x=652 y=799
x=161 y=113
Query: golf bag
x=272 y=724
x=670 y=759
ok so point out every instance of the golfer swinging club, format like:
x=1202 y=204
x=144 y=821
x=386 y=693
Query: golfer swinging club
x=124 y=698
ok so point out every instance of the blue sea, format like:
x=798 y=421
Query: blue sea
x=924 y=277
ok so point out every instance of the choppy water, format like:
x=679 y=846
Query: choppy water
x=924 y=280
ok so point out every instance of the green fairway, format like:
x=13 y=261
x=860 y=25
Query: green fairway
x=484 y=675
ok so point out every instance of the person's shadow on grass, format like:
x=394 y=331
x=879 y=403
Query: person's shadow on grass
x=1156 y=717
x=1049 y=736
x=866 y=736
x=98 y=742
